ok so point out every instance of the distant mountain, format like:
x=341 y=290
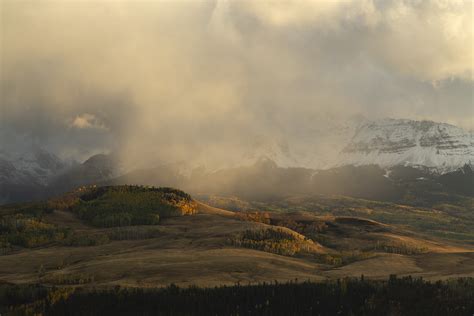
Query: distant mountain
x=435 y=147
x=37 y=165
x=37 y=174
x=382 y=160
x=439 y=147
x=95 y=170
x=26 y=174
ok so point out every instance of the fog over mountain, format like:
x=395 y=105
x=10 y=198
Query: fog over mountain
x=210 y=82
x=382 y=160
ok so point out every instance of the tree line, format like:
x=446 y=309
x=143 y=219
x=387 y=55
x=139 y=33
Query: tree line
x=349 y=296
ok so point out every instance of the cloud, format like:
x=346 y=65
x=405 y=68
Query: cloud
x=182 y=79
x=427 y=39
x=87 y=120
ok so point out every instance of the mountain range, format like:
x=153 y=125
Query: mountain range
x=372 y=161
x=388 y=143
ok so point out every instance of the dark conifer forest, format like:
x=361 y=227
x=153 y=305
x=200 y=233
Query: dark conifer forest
x=349 y=296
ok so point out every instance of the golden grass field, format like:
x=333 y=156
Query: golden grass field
x=195 y=250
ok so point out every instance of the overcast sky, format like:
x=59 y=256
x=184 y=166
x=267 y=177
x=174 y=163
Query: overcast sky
x=81 y=77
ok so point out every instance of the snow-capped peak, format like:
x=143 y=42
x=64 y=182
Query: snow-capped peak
x=439 y=146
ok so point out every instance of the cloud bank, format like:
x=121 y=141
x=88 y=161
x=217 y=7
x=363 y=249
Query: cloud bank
x=182 y=80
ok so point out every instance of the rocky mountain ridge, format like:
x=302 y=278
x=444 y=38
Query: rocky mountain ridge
x=439 y=147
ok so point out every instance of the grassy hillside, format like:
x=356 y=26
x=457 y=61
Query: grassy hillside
x=449 y=216
x=136 y=236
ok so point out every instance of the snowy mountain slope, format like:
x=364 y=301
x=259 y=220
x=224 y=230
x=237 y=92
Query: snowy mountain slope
x=34 y=166
x=25 y=174
x=390 y=142
x=438 y=147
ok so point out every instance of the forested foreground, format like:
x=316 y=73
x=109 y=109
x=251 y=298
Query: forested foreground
x=396 y=296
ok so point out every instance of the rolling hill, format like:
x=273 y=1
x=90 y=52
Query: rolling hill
x=163 y=236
